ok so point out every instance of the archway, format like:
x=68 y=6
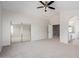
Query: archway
x=73 y=29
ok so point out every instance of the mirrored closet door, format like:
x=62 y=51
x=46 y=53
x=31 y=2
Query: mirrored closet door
x=20 y=32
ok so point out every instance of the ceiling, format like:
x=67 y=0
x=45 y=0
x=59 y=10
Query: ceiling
x=29 y=7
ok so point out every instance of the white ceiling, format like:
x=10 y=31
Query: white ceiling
x=29 y=7
x=26 y=5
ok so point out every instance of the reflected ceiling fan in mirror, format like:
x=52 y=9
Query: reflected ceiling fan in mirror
x=46 y=5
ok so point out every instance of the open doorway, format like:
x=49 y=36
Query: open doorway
x=56 y=31
x=73 y=30
x=20 y=32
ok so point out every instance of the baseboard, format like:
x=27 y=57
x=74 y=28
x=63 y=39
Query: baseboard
x=0 y=49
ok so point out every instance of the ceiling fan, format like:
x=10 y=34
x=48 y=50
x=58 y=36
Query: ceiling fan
x=46 y=5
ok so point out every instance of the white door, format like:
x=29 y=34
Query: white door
x=16 y=35
x=26 y=32
x=50 y=32
x=21 y=32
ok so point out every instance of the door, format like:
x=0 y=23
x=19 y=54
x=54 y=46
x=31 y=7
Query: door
x=50 y=32
x=21 y=33
x=26 y=32
x=16 y=35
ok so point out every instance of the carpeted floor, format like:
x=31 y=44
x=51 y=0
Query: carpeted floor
x=40 y=49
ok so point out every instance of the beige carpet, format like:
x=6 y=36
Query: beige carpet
x=40 y=49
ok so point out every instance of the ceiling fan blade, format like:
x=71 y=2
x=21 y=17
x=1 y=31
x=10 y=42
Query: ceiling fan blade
x=51 y=7
x=50 y=2
x=42 y=2
x=40 y=7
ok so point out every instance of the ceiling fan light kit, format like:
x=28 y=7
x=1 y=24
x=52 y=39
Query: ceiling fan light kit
x=46 y=5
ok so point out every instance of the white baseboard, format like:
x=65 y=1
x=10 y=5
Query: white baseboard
x=0 y=49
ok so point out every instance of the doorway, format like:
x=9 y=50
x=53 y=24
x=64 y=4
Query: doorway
x=73 y=30
x=56 y=31
x=20 y=32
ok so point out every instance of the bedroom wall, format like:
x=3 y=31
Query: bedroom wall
x=26 y=12
x=38 y=25
x=55 y=19
x=0 y=26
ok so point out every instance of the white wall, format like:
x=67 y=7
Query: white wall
x=38 y=25
x=76 y=28
x=0 y=26
x=27 y=12
x=0 y=22
x=55 y=19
